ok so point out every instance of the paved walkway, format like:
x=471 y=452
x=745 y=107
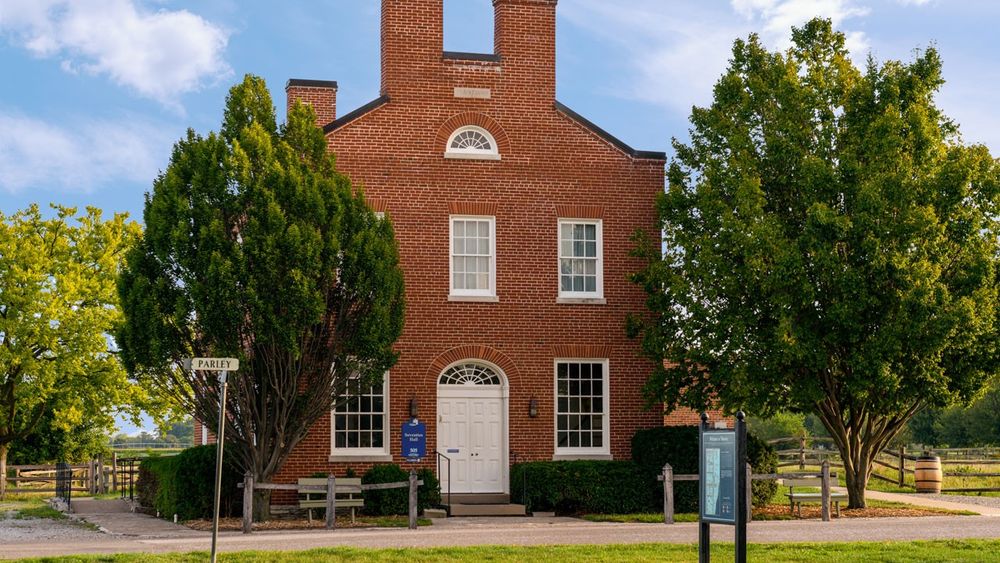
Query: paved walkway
x=129 y=532
x=935 y=501
x=115 y=517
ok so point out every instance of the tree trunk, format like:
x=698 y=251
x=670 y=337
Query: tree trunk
x=3 y=470
x=261 y=505
x=857 y=475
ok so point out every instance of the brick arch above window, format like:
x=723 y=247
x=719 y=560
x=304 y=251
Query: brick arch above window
x=471 y=353
x=476 y=119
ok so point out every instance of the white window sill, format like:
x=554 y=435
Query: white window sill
x=574 y=457
x=359 y=458
x=474 y=298
x=581 y=301
x=471 y=156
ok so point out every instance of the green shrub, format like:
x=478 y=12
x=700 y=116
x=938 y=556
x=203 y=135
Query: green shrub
x=196 y=479
x=397 y=501
x=185 y=484
x=429 y=494
x=572 y=487
x=678 y=446
x=157 y=485
x=390 y=501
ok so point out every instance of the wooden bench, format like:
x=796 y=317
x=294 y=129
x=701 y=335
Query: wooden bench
x=795 y=499
x=348 y=494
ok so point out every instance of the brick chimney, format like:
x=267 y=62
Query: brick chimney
x=412 y=43
x=320 y=94
x=525 y=38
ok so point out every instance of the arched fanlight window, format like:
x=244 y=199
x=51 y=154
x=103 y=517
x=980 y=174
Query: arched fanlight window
x=470 y=374
x=472 y=142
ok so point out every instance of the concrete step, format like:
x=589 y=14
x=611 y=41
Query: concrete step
x=475 y=498
x=487 y=510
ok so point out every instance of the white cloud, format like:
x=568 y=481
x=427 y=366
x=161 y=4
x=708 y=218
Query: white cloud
x=78 y=157
x=913 y=2
x=678 y=50
x=777 y=18
x=158 y=54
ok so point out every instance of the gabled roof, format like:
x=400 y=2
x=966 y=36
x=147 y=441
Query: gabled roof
x=349 y=117
x=621 y=145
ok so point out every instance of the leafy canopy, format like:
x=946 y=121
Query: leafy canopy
x=256 y=247
x=829 y=245
x=58 y=306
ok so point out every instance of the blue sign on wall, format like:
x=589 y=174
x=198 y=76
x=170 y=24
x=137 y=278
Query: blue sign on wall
x=414 y=440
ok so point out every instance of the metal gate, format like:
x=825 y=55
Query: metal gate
x=64 y=482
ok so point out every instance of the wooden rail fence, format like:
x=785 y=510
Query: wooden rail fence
x=668 y=479
x=330 y=489
x=895 y=460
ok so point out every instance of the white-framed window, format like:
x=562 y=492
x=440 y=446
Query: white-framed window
x=581 y=258
x=473 y=256
x=360 y=425
x=471 y=142
x=380 y=214
x=582 y=407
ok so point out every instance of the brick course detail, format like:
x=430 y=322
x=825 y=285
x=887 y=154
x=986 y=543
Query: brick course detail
x=552 y=167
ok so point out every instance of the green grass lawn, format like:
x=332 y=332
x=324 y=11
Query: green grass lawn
x=938 y=551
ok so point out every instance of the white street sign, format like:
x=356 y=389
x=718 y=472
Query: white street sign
x=215 y=364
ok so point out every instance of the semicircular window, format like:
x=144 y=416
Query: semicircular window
x=470 y=374
x=472 y=142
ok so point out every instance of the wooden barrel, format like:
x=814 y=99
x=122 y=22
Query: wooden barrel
x=928 y=474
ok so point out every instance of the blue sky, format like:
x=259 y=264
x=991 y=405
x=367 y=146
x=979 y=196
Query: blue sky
x=93 y=93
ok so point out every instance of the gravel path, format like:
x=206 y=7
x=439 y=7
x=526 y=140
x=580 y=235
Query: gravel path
x=993 y=502
x=40 y=529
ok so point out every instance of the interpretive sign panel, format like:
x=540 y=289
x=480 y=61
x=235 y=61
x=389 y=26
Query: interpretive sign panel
x=717 y=481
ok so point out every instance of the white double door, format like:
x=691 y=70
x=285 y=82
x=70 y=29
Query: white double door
x=472 y=433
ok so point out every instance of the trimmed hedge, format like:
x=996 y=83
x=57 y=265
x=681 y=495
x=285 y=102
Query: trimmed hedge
x=678 y=446
x=185 y=484
x=573 y=487
x=397 y=501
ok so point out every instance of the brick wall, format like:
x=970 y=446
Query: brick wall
x=551 y=165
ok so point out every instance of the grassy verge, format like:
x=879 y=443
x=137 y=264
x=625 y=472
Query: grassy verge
x=943 y=551
x=782 y=514
x=39 y=512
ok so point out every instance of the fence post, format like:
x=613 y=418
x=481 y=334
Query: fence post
x=668 y=494
x=749 y=493
x=413 y=499
x=802 y=453
x=114 y=471
x=92 y=470
x=247 y=502
x=902 y=460
x=826 y=490
x=331 y=501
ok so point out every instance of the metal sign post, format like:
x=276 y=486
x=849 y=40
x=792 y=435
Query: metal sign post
x=722 y=484
x=224 y=366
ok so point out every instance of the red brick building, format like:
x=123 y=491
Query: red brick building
x=513 y=216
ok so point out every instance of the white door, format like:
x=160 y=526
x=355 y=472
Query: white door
x=472 y=434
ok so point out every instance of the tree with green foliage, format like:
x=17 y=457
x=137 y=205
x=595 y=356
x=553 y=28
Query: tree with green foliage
x=830 y=247
x=58 y=306
x=255 y=247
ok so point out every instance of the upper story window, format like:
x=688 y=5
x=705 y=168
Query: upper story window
x=473 y=256
x=581 y=267
x=472 y=142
